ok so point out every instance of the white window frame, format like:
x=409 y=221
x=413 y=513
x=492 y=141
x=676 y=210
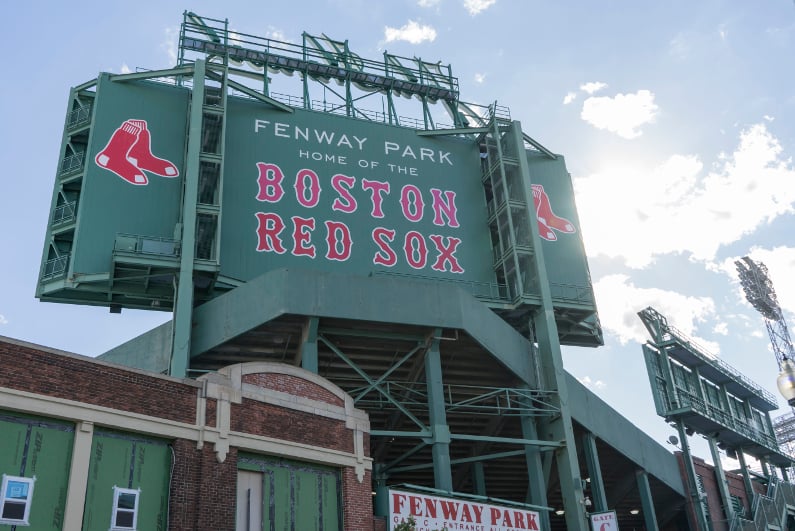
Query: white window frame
x=117 y=492
x=30 y=482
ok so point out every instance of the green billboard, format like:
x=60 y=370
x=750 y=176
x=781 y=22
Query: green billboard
x=321 y=191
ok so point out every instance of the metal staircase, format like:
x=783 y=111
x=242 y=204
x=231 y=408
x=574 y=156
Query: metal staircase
x=776 y=510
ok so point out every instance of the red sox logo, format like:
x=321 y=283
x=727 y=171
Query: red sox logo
x=547 y=220
x=128 y=154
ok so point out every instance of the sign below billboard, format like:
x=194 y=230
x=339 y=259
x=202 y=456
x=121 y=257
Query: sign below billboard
x=432 y=513
x=607 y=521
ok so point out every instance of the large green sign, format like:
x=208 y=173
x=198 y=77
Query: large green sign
x=316 y=190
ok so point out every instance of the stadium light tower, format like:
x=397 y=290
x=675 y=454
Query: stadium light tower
x=760 y=293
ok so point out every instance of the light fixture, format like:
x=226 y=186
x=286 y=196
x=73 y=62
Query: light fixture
x=786 y=381
x=588 y=501
x=634 y=511
x=560 y=512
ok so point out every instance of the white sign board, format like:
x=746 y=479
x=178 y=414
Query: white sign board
x=432 y=513
x=604 y=521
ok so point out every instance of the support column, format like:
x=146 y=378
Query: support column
x=536 y=477
x=381 y=502
x=692 y=484
x=720 y=476
x=308 y=352
x=183 y=305
x=594 y=471
x=479 y=478
x=440 y=432
x=78 y=476
x=646 y=501
x=749 y=488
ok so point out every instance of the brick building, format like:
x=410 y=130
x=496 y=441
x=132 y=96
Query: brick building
x=92 y=445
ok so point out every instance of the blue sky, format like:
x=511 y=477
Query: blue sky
x=675 y=119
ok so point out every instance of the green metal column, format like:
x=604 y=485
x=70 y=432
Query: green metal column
x=692 y=484
x=536 y=478
x=381 y=502
x=440 y=432
x=308 y=353
x=749 y=488
x=723 y=485
x=551 y=367
x=479 y=478
x=594 y=471
x=646 y=501
x=183 y=306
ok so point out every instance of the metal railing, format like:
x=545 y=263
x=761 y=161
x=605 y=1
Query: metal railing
x=72 y=163
x=55 y=267
x=64 y=213
x=146 y=245
x=713 y=360
x=79 y=116
x=481 y=290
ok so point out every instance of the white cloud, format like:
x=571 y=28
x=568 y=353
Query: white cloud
x=721 y=328
x=480 y=78
x=769 y=118
x=619 y=302
x=125 y=69
x=587 y=382
x=623 y=114
x=593 y=86
x=428 y=3
x=412 y=32
x=276 y=34
x=673 y=208
x=569 y=97
x=3 y=320
x=475 y=7
x=170 y=44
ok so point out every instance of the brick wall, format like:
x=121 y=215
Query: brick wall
x=89 y=381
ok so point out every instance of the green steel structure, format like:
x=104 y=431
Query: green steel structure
x=431 y=271
x=697 y=392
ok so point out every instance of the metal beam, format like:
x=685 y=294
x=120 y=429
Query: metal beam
x=646 y=501
x=440 y=447
x=149 y=74
x=594 y=471
x=183 y=304
x=456 y=131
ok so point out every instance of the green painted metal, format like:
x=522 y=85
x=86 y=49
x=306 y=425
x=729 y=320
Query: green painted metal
x=374 y=385
x=479 y=478
x=308 y=354
x=720 y=478
x=536 y=477
x=41 y=448
x=646 y=500
x=183 y=311
x=597 y=484
x=440 y=446
x=131 y=462
x=551 y=366
x=296 y=495
x=692 y=484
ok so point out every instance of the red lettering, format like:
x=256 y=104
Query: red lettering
x=415 y=249
x=338 y=238
x=532 y=523
x=518 y=518
x=302 y=236
x=448 y=208
x=377 y=191
x=411 y=202
x=446 y=253
x=301 y=188
x=397 y=502
x=449 y=509
x=269 y=225
x=385 y=256
x=269 y=182
x=415 y=506
x=430 y=507
x=506 y=519
x=495 y=514
x=349 y=204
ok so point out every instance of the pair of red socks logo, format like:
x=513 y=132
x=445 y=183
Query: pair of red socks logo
x=547 y=220
x=129 y=154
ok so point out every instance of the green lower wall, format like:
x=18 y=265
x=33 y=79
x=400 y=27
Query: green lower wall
x=40 y=448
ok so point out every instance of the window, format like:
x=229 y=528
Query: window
x=15 y=498
x=125 y=508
